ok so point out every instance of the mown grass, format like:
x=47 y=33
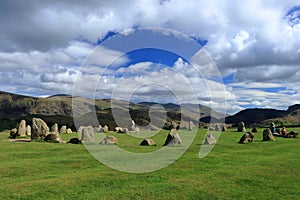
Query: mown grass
x=259 y=170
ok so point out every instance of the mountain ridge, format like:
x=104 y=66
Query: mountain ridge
x=58 y=109
x=14 y=107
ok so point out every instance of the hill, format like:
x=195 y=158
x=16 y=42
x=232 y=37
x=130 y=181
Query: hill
x=58 y=109
x=263 y=117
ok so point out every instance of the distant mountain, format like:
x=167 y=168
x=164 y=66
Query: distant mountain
x=250 y=116
x=291 y=116
x=60 y=95
x=58 y=109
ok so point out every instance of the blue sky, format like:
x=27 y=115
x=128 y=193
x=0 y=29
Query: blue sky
x=47 y=47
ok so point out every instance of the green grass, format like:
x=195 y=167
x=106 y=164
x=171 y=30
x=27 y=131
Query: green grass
x=259 y=170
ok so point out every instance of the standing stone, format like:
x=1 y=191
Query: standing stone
x=134 y=128
x=121 y=130
x=105 y=129
x=63 y=129
x=80 y=129
x=39 y=129
x=13 y=133
x=118 y=129
x=87 y=134
x=69 y=131
x=254 y=130
x=28 y=130
x=98 y=129
x=241 y=127
x=148 y=142
x=210 y=139
x=224 y=127
x=247 y=137
x=173 y=138
x=191 y=126
x=109 y=140
x=173 y=125
x=54 y=128
x=211 y=128
x=267 y=135
x=217 y=127
x=22 y=128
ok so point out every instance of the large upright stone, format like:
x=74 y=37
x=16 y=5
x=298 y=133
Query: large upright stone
x=22 y=128
x=173 y=138
x=28 y=130
x=191 y=126
x=267 y=135
x=54 y=128
x=87 y=134
x=210 y=139
x=241 y=127
x=39 y=129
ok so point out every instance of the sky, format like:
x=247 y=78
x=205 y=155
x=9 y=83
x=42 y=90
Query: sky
x=225 y=54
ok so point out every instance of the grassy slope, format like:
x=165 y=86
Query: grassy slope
x=262 y=170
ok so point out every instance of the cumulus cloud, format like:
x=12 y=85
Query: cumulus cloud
x=41 y=73
x=43 y=44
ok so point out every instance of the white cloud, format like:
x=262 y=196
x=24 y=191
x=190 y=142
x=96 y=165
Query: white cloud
x=55 y=71
x=42 y=45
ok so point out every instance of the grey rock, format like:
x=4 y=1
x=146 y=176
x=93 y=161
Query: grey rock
x=105 y=129
x=267 y=135
x=241 y=127
x=28 y=130
x=69 y=131
x=22 y=128
x=87 y=134
x=54 y=128
x=13 y=133
x=109 y=140
x=210 y=139
x=247 y=137
x=63 y=129
x=52 y=137
x=173 y=138
x=39 y=129
x=191 y=126
x=148 y=142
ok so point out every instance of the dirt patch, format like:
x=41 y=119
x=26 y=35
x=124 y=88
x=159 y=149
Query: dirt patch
x=19 y=140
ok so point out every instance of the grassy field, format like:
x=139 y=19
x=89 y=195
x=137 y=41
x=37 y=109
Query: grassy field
x=259 y=170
